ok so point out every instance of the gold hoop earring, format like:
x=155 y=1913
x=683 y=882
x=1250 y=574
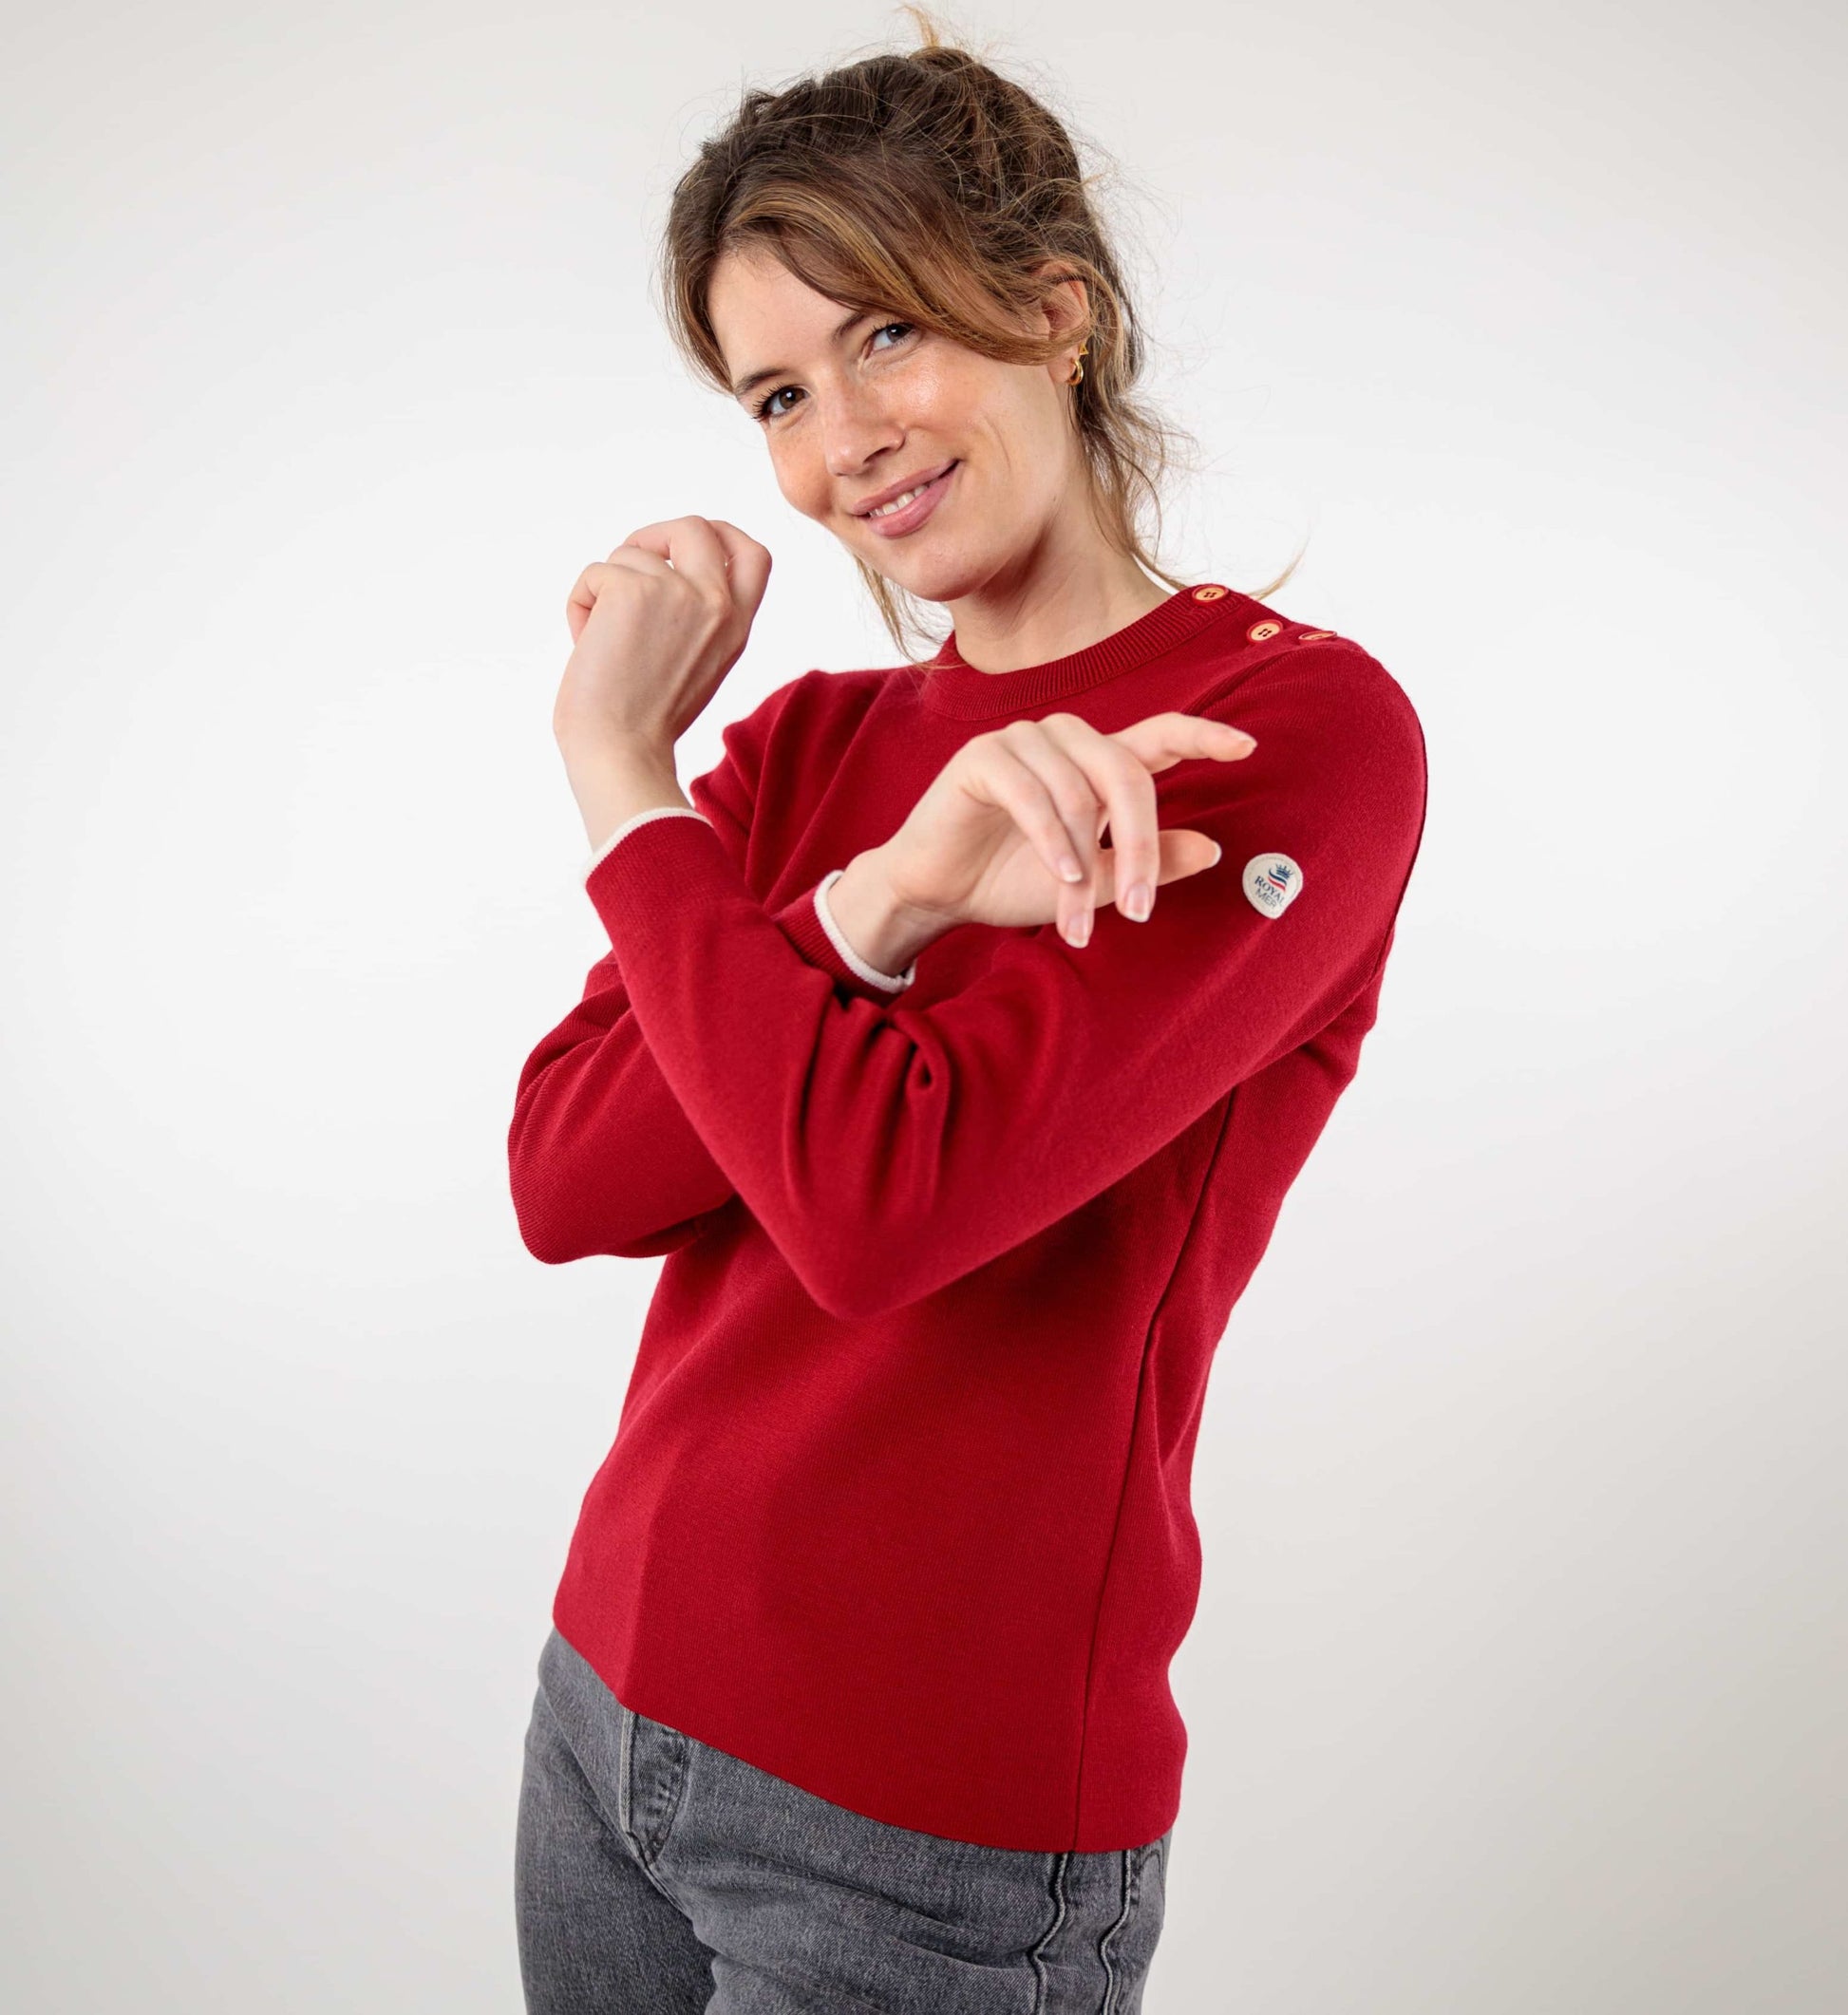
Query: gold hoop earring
x=1078 y=368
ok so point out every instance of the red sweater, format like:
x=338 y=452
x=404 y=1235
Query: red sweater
x=898 y=1508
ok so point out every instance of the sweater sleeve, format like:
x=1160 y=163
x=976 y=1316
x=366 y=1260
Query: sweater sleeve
x=888 y=1149
x=601 y=1156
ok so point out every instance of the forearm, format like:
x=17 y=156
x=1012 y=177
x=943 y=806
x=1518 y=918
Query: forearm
x=613 y=781
x=602 y=1158
x=888 y=1148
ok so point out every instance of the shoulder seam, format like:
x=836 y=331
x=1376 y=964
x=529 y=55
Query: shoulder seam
x=1317 y=653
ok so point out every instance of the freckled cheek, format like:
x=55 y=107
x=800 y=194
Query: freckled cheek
x=935 y=404
x=805 y=488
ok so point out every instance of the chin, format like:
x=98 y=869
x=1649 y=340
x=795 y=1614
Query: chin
x=932 y=576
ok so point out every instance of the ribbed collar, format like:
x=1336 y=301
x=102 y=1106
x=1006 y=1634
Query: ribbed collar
x=953 y=686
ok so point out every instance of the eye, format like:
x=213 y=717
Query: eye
x=766 y=407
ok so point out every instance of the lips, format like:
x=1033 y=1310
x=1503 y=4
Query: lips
x=893 y=491
x=898 y=524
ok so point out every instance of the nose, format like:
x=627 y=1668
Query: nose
x=855 y=430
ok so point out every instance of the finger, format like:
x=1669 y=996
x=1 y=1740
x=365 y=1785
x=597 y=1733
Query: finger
x=1096 y=780
x=1078 y=808
x=1058 y=832
x=593 y=582
x=713 y=554
x=1143 y=859
x=689 y=545
x=729 y=567
x=748 y=563
x=1054 y=808
x=1124 y=784
x=583 y=598
x=1161 y=741
x=1186 y=851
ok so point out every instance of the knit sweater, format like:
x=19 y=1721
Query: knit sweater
x=898 y=1508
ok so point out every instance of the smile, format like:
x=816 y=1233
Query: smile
x=906 y=513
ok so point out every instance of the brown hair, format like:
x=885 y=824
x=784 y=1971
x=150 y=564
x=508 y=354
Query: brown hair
x=927 y=183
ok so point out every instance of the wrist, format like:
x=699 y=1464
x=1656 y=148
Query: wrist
x=886 y=932
x=613 y=781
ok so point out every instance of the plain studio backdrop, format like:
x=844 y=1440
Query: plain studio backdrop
x=331 y=358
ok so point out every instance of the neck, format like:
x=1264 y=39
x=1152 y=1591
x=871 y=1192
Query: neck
x=1055 y=606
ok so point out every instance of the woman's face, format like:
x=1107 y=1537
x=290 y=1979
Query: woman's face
x=850 y=409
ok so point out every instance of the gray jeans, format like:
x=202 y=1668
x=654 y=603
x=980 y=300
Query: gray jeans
x=655 y=1874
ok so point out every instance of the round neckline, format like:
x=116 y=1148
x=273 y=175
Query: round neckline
x=953 y=686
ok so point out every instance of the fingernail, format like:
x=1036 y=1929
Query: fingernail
x=1218 y=854
x=1069 y=867
x=1140 y=901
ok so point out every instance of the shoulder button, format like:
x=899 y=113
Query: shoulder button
x=1260 y=632
x=1314 y=636
x=1210 y=593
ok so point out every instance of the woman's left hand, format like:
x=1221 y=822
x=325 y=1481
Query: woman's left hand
x=651 y=642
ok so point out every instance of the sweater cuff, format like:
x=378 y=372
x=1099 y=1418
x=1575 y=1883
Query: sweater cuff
x=806 y=923
x=628 y=825
x=810 y=925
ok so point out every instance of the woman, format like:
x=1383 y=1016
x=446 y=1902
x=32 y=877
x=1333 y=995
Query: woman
x=959 y=1146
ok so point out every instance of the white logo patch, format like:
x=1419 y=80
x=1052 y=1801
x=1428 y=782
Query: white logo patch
x=1273 y=882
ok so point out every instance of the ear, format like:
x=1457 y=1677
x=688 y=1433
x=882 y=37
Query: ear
x=1066 y=306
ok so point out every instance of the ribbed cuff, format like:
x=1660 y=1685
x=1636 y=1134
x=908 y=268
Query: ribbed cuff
x=838 y=938
x=809 y=926
x=628 y=825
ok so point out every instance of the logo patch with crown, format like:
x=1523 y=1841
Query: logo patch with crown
x=1272 y=882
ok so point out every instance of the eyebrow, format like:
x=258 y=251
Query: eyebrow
x=781 y=370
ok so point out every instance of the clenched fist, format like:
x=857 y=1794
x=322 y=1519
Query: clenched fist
x=651 y=642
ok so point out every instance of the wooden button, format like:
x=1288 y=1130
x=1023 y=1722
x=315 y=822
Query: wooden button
x=1258 y=631
x=1314 y=636
x=1210 y=593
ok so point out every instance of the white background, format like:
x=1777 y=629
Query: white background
x=331 y=358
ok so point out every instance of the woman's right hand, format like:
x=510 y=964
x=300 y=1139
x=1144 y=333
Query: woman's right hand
x=993 y=837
